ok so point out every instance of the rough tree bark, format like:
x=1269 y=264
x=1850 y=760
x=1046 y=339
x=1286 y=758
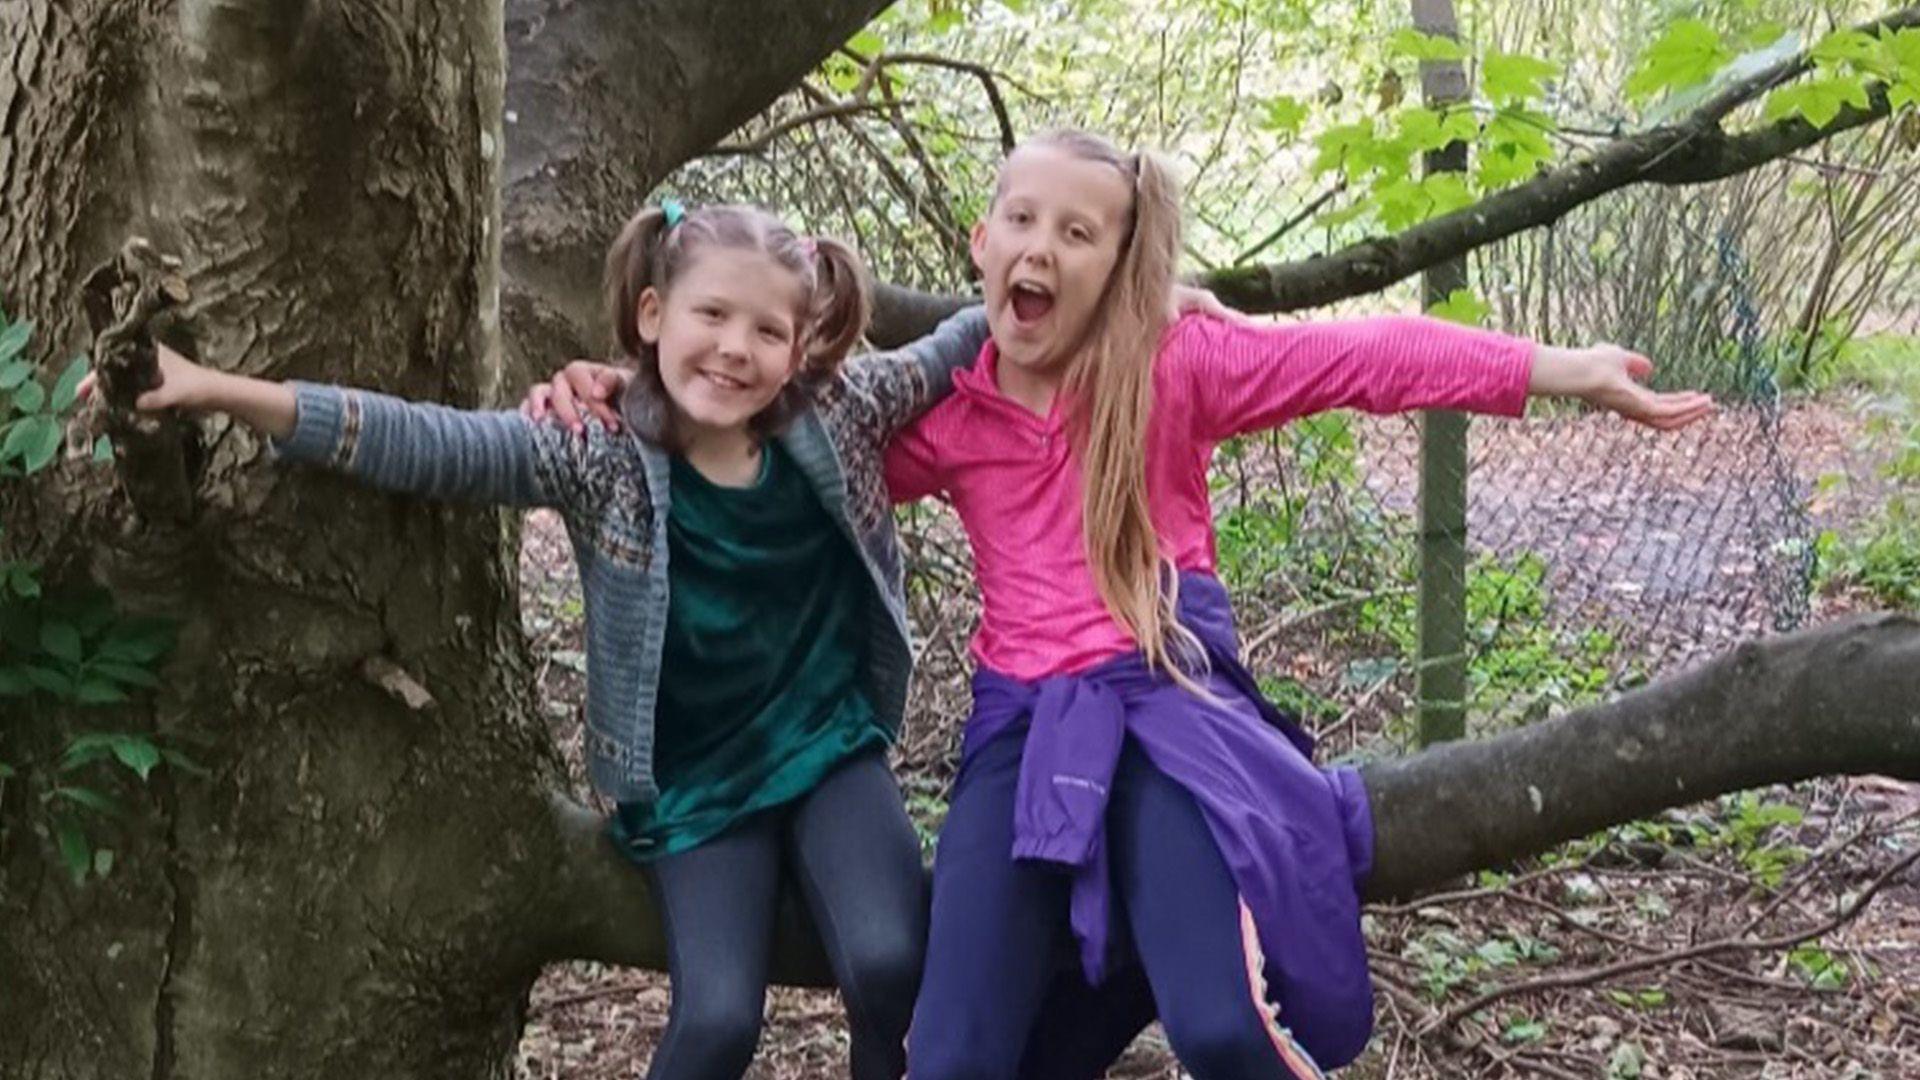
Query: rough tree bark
x=376 y=865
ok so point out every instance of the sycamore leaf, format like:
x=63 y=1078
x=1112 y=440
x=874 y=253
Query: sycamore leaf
x=1512 y=78
x=1687 y=54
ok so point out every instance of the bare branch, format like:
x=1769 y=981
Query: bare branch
x=759 y=143
x=989 y=80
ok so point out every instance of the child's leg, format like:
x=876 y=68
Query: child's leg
x=1187 y=922
x=857 y=860
x=1082 y=1029
x=717 y=904
x=996 y=935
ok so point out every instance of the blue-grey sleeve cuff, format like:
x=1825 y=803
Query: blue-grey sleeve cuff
x=318 y=414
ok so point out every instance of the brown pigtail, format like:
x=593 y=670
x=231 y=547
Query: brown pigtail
x=842 y=303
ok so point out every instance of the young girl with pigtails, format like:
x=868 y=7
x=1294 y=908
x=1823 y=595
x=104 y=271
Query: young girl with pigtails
x=746 y=632
x=1124 y=788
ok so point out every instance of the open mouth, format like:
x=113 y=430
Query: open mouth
x=1031 y=302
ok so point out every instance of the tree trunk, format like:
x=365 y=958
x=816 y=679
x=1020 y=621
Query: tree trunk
x=349 y=892
x=375 y=866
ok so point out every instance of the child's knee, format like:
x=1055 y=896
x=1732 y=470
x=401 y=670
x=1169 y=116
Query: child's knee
x=721 y=1034
x=884 y=973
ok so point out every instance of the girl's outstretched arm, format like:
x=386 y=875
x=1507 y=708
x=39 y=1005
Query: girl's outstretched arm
x=1245 y=377
x=404 y=446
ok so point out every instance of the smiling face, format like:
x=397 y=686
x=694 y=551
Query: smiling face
x=1046 y=249
x=727 y=334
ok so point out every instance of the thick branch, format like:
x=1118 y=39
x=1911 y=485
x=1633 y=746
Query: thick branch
x=1691 y=150
x=606 y=97
x=1843 y=698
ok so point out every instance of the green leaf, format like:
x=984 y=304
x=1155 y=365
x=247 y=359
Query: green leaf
x=1687 y=54
x=1512 y=78
x=25 y=582
x=137 y=754
x=29 y=397
x=99 y=692
x=1346 y=147
x=89 y=798
x=12 y=340
x=138 y=640
x=103 y=449
x=13 y=373
x=7 y=771
x=1461 y=306
x=1284 y=115
x=103 y=862
x=74 y=849
x=131 y=674
x=67 y=388
x=867 y=44
x=1415 y=45
x=1819 y=101
x=49 y=680
x=61 y=640
x=43 y=442
x=1852 y=46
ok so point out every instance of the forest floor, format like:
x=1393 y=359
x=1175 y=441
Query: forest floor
x=1719 y=940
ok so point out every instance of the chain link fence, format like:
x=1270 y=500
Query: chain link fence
x=1601 y=554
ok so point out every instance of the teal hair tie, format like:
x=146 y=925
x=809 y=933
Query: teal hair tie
x=674 y=211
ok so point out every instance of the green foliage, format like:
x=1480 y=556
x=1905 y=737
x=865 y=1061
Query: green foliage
x=1687 y=55
x=64 y=646
x=1447 y=960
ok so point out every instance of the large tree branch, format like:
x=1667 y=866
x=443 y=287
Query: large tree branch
x=604 y=98
x=1840 y=699
x=1692 y=150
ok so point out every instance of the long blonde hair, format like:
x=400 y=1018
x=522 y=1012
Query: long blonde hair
x=1109 y=390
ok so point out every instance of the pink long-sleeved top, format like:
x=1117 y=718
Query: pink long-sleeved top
x=1011 y=476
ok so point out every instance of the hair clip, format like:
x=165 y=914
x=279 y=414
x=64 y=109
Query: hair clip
x=675 y=213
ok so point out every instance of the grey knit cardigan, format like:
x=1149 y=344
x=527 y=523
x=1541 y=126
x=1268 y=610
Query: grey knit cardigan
x=611 y=490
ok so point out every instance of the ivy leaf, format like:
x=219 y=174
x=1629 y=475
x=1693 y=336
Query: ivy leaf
x=1513 y=78
x=1687 y=54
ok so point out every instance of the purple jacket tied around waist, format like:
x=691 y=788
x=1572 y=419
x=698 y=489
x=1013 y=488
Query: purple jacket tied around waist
x=1297 y=839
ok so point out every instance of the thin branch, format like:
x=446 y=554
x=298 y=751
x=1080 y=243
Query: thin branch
x=989 y=80
x=1711 y=948
x=1291 y=224
x=833 y=111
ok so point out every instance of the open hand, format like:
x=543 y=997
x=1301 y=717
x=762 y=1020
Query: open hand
x=1616 y=381
x=581 y=387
